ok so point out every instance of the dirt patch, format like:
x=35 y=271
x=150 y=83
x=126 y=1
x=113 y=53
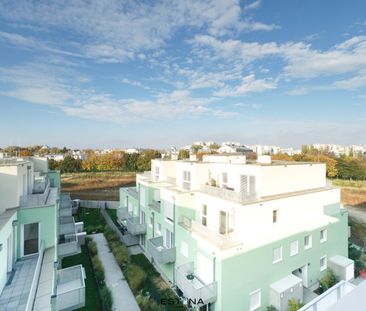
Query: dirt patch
x=354 y=197
x=96 y=186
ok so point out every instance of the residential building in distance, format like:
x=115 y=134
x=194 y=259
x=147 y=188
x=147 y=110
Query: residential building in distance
x=233 y=234
x=230 y=147
x=37 y=230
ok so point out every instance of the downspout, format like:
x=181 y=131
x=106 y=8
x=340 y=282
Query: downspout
x=174 y=224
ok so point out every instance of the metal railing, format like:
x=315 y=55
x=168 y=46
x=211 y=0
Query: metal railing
x=226 y=194
x=70 y=288
x=155 y=205
x=134 y=226
x=67 y=225
x=193 y=287
x=159 y=252
x=329 y=297
x=222 y=241
x=133 y=193
x=37 y=272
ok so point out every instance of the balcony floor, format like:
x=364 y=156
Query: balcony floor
x=15 y=295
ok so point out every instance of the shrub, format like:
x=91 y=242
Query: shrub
x=353 y=253
x=135 y=277
x=141 y=261
x=294 y=305
x=272 y=308
x=98 y=269
x=120 y=252
x=92 y=246
x=147 y=304
x=107 y=298
x=328 y=280
x=109 y=234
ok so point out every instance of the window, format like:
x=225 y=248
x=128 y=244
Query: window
x=323 y=263
x=142 y=217
x=274 y=216
x=168 y=238
x=152 y=220
x=255 y=300
x=204 y=215
x=277 y=254
x=184 y=248
x=156 y=173
x=186 y=185
x=226 y=222
x=294 y=248
x=224 y=180
x=307 y=241
x=158 y=230
x=323 y=235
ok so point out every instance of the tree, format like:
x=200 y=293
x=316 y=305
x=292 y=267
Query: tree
x=130 y=164
x=183 y=154
x=25 y=153
x=196 y=148
x=70 y=165
x=144 y=159
x=214 y=146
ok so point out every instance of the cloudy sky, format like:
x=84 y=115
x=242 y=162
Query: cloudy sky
x=111 y=73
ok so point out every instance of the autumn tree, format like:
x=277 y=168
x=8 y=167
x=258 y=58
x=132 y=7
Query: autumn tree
x=183 y=154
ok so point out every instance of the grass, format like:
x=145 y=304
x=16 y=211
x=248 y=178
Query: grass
x=92 y=300
x=93 y=220
x=96 y=185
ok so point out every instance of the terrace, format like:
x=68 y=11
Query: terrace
x=159 y=252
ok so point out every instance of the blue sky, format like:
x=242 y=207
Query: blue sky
x=160 y=73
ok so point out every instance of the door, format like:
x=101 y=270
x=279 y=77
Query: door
x=302 y=273
x=10 y=253
x=30 y=237
x=168 y=238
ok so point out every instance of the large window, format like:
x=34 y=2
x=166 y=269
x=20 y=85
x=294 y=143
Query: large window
x=224 y=180
x=255 y=300
x=186 y=184
x=168 y=238
x=277 y=254
x=30 y=239
x=156 y=173
x=294 y=248
x=274 y=216
x=226 y=222
x=204 y=215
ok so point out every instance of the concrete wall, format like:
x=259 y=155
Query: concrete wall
x=5 y=232
x=99 y=204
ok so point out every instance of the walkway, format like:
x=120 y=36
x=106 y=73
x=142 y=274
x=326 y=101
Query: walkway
x=123 y=299
x=15 y=295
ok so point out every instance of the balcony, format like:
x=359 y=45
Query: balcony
x=159 y=252
x=123 y=213
x=68 y=245
x=192 y=287
x=70 y=293
x=67 y=225
x=231 y=195
x=130 y=239
x=221 y=241
x=155 y=205
x=37 y=199
x=134 y=226
x=133 y=192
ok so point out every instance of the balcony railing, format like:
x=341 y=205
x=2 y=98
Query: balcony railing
x=231 y=195
x=193 y=287
x=222 y=241
x=134 y=226
x=329 y=297
x=159 y=252
x=133 y=193
x=130 y=239
x=68 y=245
x=123 y=213
x=155 y=205
x=39 y=199
x=70 y=288
x=67 y=225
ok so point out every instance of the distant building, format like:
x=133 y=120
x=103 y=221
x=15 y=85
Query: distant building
x=233 y=148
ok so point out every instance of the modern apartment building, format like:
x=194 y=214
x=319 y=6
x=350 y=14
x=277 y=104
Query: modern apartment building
x=232 y=234
x=37 y=230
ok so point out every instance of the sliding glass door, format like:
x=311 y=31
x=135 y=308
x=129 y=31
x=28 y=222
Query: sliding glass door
x=30 y=239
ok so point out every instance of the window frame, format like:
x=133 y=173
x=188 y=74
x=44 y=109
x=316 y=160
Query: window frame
x=325 y=266
x=259 y=304
x=325 y=235
x=310 y=245
x=297 y=248
x=273 y=252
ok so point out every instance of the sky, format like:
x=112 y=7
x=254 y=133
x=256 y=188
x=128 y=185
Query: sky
x=155 y=74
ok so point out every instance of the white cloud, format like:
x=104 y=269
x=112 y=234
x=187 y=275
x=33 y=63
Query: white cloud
x=254 y=5
x=249 y=84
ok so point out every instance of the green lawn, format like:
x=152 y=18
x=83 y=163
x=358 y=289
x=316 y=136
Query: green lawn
x=92 y=300
x=93 y=220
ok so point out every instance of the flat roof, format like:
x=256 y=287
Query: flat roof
x=286 y=283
